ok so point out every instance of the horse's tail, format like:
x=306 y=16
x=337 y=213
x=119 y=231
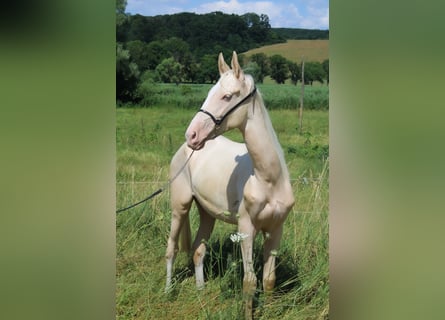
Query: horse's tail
x=185 y=236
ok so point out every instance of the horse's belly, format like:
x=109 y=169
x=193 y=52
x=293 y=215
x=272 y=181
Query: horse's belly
x=218 y=206
x=218 y=175
x=219 y=196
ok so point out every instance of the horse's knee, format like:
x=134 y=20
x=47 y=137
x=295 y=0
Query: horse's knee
x=199 y=254
x=170 y=256
x=172 y=249
x=198 y=259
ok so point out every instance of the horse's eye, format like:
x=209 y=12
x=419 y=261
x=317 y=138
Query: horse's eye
x=227 y=97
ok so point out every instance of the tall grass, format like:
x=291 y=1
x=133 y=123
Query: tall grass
x=191 y=96
x=146 y=140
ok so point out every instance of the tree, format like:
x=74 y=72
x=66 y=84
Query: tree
x=295 y=73
x=259 y=29
x=208 y=69
x=139 y=54
x=201 y=32
x=325 y=65
x=120 y=6
x=140 y=28
x=189 y=68
x=149 y=56
x=147 y=89
x=253 y=69
x=121 y=21
x=169 y=71
x=234 y=41
x=263 y=63
x=313 y=72
x=155 y=54
x=121 y=17
x=176 y=48
x=127 y=75
x=279 y=70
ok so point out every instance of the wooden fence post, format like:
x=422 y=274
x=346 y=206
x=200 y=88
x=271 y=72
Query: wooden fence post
x=300 y=111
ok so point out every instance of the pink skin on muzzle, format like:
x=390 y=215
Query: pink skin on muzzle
x=199 y=131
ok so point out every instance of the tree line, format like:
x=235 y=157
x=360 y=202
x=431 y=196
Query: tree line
x=204 y=33
x=302 y=34
x=183 y=48
x=280 y=69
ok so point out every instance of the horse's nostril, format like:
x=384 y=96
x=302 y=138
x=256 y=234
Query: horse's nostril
x=191 y=136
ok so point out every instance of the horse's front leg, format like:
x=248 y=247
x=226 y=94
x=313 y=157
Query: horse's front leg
x=249 y=281
x=271 y=245
x=181 y=201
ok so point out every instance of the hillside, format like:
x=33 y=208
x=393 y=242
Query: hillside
x=294 y=50
x=208 y=33
x=189 y=43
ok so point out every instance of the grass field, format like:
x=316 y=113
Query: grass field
x=294 y=50
x=285 y=96
x=146 y=139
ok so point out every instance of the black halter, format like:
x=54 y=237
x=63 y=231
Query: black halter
x=220 y=120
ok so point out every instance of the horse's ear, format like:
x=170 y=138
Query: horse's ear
x=236 y=67
x=222 y=65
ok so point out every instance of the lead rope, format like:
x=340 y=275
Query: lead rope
x=160 y=189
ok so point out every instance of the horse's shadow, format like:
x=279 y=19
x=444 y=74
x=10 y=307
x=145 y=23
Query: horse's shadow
x=223 y=262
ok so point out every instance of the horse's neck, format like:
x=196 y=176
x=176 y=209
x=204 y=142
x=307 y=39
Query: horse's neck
x=263 y=145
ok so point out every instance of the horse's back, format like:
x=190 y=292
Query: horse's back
x=218 y=174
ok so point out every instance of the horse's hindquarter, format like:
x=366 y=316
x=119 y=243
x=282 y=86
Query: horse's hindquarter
x=219 y=173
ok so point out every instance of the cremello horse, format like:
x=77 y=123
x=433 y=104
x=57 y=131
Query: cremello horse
x=244 y=184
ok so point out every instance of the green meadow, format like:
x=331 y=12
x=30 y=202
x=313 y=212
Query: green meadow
x=191 y=96
x=146 y=139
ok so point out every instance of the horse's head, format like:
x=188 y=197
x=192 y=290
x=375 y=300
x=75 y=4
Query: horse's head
x=223 y=108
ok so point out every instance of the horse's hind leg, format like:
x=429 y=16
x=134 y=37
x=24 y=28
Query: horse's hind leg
x=206 y=224
x=181 y=200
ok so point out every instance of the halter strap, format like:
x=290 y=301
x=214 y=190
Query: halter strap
x=218 y=121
